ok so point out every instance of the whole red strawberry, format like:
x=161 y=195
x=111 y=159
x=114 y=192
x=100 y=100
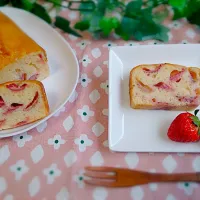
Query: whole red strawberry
x=185 y=128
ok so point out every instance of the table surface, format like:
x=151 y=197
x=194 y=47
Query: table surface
x=48 y=161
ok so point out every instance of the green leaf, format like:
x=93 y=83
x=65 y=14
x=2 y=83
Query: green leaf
x=127 y=28
x=108 y=24
x=148 y=29
x=24 y=4
x=94 y=21
x=146 y=14
x=160 y=16
x=97 y=34
x=102 y=5
x=178 y=13
x=72 y=32
x=16 y=3
x=63 y=24
x=178 y=3
x=188 y=10
x=193 y=7
x=119 y=31
x=86 y=7
x=196 y=112
x=41 y=12
x=195 y=120
x=4 y=2
x=28 y=4
x=155 y=3
x=194 y=18
x=56 y=2
x=133 y=7
x=199 y=131
x=82 y=25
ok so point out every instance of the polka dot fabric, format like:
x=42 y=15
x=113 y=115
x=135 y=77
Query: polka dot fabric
x=48 y=162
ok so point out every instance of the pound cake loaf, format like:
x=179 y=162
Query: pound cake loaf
x=164 y=86
x=22 y=102
x=21 y=58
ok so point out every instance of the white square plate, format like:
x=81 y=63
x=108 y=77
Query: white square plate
x=133 y=130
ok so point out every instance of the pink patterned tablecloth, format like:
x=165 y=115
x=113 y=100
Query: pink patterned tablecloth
x=47 y=162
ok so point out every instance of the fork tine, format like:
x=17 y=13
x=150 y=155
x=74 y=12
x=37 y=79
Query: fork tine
x=98 y=175
x=101 y=169
x=100 y=183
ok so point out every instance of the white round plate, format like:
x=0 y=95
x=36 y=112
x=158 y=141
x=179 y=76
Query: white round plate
x=64 y=68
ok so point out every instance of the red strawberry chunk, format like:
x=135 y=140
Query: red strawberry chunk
x=41 y=58
x=163 y=85
x=15 y=87
x=154 y=70
x=2 y=122
x=176 y=75
x=40 y=55
x=13 y=107
x=21 y=123
x=143 y=87
x=154 y=100
x=163 y=106
x=34 y=77
x=2 y=103
x=193 y=75
x=23 y=76
x=187 y=99
x=25 y=121
x=34 y=101
x=16 y=105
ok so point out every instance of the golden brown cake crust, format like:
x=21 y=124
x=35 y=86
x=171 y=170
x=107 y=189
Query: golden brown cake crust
x=14 y=43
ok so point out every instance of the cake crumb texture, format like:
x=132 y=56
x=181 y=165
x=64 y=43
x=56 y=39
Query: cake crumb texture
x=164 y=86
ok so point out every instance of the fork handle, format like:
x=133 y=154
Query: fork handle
x=186 y=177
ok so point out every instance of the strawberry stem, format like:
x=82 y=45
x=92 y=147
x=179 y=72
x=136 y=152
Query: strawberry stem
x=196 y=111
x=196 y=120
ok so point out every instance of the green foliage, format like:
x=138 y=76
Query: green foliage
x=133 y=7
x=82 y=25
x=41 y=12
x=64 y=25
x=136 y=20
x=127 y=27
x=4 y=2
x=178 y=3
x=196 y=120
x=24 y=4
x=108 y=24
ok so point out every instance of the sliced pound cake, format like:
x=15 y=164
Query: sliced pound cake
x=21 y=58
x=164 y=86
x=22 y=102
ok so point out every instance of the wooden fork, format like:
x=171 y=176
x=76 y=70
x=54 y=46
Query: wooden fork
x=121 y=177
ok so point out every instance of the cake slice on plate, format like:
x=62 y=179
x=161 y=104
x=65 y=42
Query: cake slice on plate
x=164 y=86
x=21 y=58
x=22 y=102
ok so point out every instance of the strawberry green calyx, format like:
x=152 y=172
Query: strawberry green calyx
x=196 y=120
x=196 y=112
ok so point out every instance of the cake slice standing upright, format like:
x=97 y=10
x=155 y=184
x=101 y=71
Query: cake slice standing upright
x=22 y=102
x=21 y=58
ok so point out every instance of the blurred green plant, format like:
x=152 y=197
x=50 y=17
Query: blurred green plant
x=137 y=19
